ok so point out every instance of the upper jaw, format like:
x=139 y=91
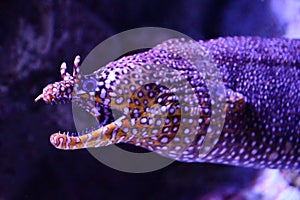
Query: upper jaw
x=57 y=92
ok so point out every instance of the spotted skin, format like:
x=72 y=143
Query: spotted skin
x=261 y=127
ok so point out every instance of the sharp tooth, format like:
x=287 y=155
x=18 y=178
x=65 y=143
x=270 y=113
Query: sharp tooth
x=38 y=98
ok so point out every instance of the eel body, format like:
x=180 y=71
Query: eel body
x=252 y=119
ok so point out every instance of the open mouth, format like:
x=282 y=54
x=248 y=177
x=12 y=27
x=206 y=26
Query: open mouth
x=84 y=94
x=127 y=105
x=101 y=134
x=62 y=92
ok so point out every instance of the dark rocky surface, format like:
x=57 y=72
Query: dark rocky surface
x=36 y=36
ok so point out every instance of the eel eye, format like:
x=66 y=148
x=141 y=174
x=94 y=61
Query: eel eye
x=89 y=85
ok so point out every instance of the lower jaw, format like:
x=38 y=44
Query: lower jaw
x=103 y=136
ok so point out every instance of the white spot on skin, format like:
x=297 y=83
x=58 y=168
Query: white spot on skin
x=119 y=100
x=176 y=139
x=242 y=151
x=223 y=151
x=177 y=148
x=273 y=156
x=254 y=151
x=186 y=131
x=103 y=93
x=214 y=152
x=158 y=122
x=187 y=140
x=132 y=122
x=143 y=120
x=111 y=76
x=164 y=140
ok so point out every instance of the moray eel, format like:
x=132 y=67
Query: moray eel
x=260 y=124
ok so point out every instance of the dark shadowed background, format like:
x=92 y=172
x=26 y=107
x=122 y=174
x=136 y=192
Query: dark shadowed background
x=36 y=36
